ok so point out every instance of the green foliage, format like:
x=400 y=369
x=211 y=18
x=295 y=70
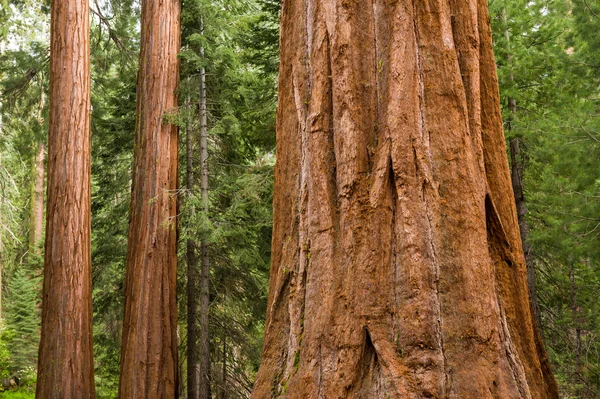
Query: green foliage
x=22 y=316
x=239 y=51
x=6 y=336
x=20 y=394
x=547 y=66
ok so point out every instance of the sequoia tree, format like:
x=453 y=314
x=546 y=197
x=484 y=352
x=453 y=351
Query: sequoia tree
x=149 y=345
x=397 y=267
x=65 y=363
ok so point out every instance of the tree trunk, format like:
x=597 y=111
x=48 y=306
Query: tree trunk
x=575 y=312
x=516 y=158
x=192 y=281
x=36 y=217
x=65 y=363
x=1 y=226
x=224 y=368
x=149 y=346
x=2 y=45
x=397 y=267
x=204 y=390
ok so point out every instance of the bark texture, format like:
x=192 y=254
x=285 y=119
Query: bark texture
x=397 y=268
x=149 y=346
x=65 y=363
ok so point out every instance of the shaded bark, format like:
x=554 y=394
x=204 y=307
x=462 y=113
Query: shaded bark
x=65 y=363
x=397 y=267
x=149 y=345
x=204 y=361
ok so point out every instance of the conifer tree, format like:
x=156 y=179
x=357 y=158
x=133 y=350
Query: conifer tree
x=149 y=345
x=65 y=362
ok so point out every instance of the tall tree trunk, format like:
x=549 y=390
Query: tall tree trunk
x=36 y=213
x=204 y=390
x=36 y=217
x=2 y=47
x=149 y=345
x=192 y=276
x=1 y=227
x=397 y=267
x=65 y=363
x=575 y=312
x=224 y=367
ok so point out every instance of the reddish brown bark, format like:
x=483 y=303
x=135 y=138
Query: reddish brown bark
x=149 y=346
x=397 y=268
x=65 y=364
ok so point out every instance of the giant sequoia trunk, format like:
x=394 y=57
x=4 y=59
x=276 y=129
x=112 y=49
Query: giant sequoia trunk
x=397 y=266
x=149 y=346
x=65 y=364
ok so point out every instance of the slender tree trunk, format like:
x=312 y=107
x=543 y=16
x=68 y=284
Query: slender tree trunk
x=1 y=223
x=149 y=346
x=65 y=363
x=192 y=275
x=204 y=390
x=397 y=267
x=575 y=312
x=224 y=369
x=37 y=200
x=2 y=46
x=36 y=216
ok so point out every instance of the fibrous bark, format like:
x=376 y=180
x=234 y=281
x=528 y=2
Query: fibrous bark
x=397 y=267
x=149 y=346
x=65 y=363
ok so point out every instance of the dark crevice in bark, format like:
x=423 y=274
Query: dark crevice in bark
x=369 y=374
x=393 y=244
x=331 y=136
x=496 y=235
x=500 y=254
